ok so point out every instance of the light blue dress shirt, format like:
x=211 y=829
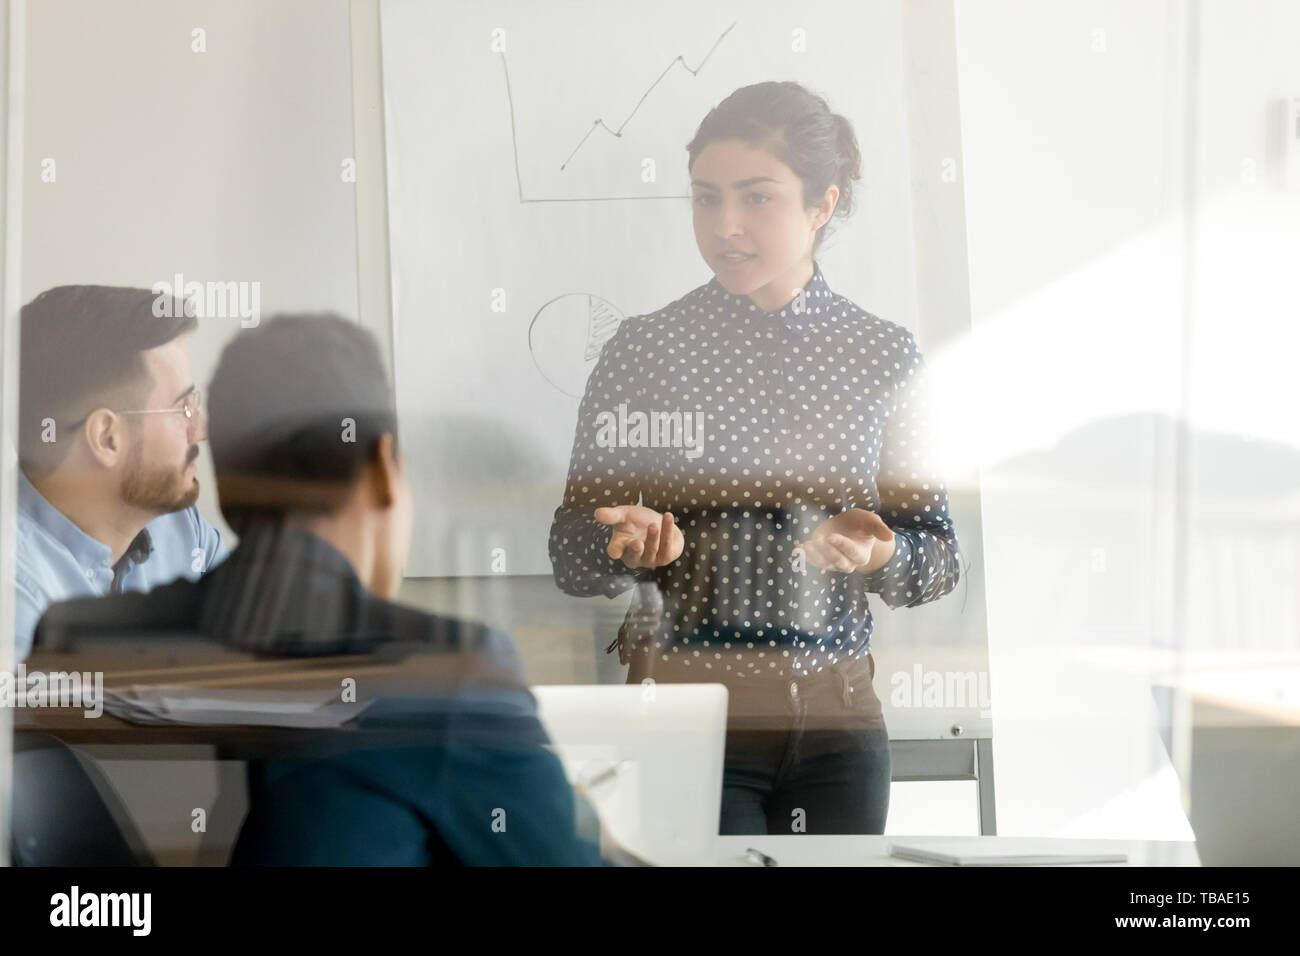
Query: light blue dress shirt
x=55 y=560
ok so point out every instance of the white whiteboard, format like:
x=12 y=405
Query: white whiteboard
x=481 y=214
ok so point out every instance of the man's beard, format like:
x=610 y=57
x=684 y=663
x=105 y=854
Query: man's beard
x=161 y=490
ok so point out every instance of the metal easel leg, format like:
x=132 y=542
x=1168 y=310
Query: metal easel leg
x=984 y=781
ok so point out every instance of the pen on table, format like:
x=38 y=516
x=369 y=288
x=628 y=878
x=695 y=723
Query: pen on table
x=758 y=856
x=607 y=773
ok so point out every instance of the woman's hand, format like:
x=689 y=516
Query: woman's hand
x=853 y=540
x=642 y=537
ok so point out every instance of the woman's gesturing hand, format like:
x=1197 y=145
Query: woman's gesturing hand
x=642 y=537
x=853 y=540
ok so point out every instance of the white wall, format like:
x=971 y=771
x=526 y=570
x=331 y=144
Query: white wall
x=1121 y=284
x=11 y=59
x=223 y=165
x=1072 y=207
x=1244 y=335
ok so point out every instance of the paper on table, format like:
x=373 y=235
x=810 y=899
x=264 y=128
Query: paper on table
x=239 y=702
x=173 y=704
x=959 y=854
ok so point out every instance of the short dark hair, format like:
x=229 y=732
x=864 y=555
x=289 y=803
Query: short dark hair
x=296 y=409
x=80 y=347
x=799 y=129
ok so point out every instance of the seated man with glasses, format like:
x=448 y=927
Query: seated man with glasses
x=109 y=430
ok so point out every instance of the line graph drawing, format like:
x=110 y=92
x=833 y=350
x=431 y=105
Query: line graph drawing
x=599 y=123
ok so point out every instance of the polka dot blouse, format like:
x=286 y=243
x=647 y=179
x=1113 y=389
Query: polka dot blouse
x=752 y=428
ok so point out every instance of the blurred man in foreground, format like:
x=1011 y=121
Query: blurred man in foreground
x=447 y=764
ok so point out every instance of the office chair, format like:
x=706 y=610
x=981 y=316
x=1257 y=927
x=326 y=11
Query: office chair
x=65 y=812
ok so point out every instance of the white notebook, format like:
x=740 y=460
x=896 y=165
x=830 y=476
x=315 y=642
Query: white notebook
x=964 y=854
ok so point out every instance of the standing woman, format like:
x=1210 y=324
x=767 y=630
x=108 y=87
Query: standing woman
x=754 y=541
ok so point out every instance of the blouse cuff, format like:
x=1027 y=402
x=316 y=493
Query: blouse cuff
x=899 y=562
x=617 y=576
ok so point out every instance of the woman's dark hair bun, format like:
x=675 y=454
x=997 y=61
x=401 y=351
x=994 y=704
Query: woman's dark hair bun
x=850 y=165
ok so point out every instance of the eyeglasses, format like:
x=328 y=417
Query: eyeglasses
x=190 y=408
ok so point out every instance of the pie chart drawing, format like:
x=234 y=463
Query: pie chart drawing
x=566 y=335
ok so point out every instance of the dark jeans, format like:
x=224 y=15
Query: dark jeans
x=807 y=755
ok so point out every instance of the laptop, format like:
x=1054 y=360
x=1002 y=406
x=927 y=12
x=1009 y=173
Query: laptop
x=649 y=759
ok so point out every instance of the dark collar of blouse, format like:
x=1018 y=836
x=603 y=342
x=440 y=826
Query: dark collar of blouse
x=803 y=315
